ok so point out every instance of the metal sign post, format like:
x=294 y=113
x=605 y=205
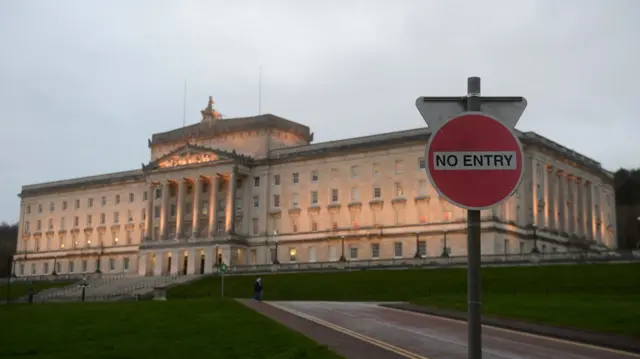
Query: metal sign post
x=472 y=146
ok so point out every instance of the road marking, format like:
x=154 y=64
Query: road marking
x=376 y=342
x=531 y=335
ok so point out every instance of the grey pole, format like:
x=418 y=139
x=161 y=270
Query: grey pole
x=473 y=249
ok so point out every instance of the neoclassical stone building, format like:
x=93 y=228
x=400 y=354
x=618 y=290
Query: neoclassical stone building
x=254 y=190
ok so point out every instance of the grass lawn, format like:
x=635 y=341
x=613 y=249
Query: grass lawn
x=20 y=289
x=201 y=328
x=601 y=297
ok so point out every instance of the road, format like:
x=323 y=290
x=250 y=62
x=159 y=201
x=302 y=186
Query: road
x=420 y=336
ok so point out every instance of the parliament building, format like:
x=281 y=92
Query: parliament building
x=256 y=191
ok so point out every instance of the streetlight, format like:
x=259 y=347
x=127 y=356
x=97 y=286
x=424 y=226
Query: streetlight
x=535 y=239
x=276 y=261
x=445 y=250
x=417 y=255
x=342 y=257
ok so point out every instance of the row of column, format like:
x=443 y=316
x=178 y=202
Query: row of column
x=213 y=182
x=571 y=203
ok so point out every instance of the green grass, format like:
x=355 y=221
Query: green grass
x=21 y=289
x=600 y=297
x=202 y=328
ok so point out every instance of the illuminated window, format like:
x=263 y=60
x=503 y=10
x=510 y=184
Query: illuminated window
x=292 y=254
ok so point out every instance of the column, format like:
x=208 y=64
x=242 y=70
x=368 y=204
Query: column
x=157 y=268
x=571 y=220
x=209 y=260
x=562 y=207
x=191 y=263
x=588 y=210
x=182 y=186
x=213 y=206
x=550 y=198
x=175 y=262
x=149 y=218
x=164 y=212
x=142 y=264
x=231 y=202
x=580 y=207
x=196 y=208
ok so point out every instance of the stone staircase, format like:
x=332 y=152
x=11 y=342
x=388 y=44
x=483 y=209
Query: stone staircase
x=109 y=288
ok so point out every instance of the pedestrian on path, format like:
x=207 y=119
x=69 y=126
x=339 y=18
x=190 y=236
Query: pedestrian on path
x=257 y=290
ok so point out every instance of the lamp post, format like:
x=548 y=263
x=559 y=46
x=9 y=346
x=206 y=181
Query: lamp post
x=276 y=261
x=445 y=249
x=418 y=254
x=55 y=265
x=638 y=241
x=342 y=257
x=100 y=251
x=535 y=249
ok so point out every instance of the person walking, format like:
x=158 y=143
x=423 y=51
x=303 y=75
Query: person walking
x=257 y=290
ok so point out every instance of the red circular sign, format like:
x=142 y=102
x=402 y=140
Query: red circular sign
x=474 y=161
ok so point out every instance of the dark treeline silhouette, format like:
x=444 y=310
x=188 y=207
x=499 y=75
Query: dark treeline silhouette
x=8 y=241
x=627 y=185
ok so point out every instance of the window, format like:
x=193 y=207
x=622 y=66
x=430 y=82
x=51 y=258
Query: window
x=158 y=194
x=112 y=264
x=312 y=254
x=256 y=201
x=62 y=223
x=314 y=198
x=397 y=249
x=117 y=200
x=314 y=176
x=295 y=200
x=38 y=225
x=276 y=180
x=116 y=217
x=355 y=194
x=64 y=205
x=173 y=209
x=276 y=200
x=355 y=171
x=399 y=166
x=103 y=219
x=292 y=254
x=157 y=211
x=76 y=221
x=375 y=250
x=422 y=163
x=84 y=266
x=143 y=214
x=422 y=248
x=314 y=226
x=398 y=189
x=77 y=204
x=90 y=202
x=130 y=216
x=126 y=263
x=295 y=177
x=376 y=169
x=33 y=268
x=335 y=174
x=39 y=208
x=45 y=268
x=89 y=220
x=256 y=181
x=145 y=195
x=204 y=207
x=21 y=269
x=26 y=227
x=132 y=197
x=28 y=209
x=50 y=223
x=52 y=207
x=334 y=195
x=353 y=252
x=422 y=187
x=377 y=193
x=71 y=265
x=255 y=226
x=58 y=267
x=103 y=201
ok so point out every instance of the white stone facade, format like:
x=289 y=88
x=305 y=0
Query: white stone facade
x=361 y=198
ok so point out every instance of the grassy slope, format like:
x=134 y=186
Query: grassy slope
x=600 y=297
x=20 y=289
x=187 y=328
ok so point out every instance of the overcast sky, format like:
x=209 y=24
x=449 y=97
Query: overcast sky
x=83 y=84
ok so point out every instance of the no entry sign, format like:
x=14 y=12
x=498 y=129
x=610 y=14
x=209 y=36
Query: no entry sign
x=474 y=161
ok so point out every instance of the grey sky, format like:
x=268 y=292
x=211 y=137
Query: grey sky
x=83 y=84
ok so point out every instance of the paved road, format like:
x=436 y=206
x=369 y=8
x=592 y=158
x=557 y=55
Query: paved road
x=421 y=336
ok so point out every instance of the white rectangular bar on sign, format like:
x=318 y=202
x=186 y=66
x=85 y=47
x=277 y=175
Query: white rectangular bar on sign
x=475 y=160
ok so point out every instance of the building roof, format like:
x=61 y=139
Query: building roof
x=210 y=126
x=316 y=150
